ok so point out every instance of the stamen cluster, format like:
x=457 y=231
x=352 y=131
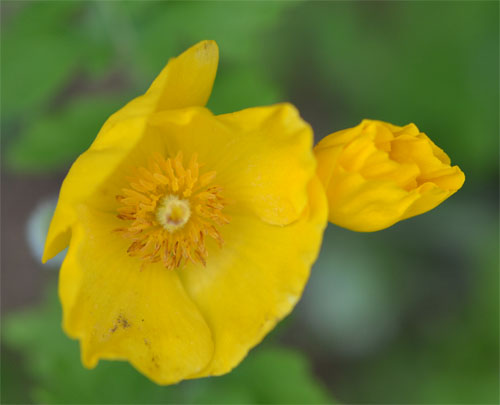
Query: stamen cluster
x=145 y=203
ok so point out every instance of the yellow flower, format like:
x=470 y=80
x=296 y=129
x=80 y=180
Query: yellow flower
x=377 y=174
x=190 y=235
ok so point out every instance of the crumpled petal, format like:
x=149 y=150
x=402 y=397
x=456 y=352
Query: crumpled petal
x=119 y=311
x=186 y=81
x=256 y=279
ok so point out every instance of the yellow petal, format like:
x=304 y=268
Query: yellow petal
x=86 y=175
x=377 y=174
x=119 y=311
x=255 y=279
x=261 y=155
x=366 y=206
x=186 y=81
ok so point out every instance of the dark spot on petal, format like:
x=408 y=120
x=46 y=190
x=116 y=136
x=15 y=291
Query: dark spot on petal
x=120 y=321
x=154 y=360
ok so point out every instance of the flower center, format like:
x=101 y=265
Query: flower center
x=173 y=213
x=171 y=209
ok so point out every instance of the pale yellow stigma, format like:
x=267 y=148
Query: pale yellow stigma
x=173 y=213
x=171 y=209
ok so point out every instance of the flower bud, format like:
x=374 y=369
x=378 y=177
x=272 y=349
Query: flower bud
x=377 y=174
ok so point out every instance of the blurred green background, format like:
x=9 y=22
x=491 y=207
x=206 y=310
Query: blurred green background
x=406 y=315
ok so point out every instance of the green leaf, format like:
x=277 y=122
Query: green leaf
x=34 y=69
x=274 y=375
x=38 y=54
x=14 y=379
x=94 y=37
x=57 y=139
x=239 y=87
x=161 y=30
x=31 y=18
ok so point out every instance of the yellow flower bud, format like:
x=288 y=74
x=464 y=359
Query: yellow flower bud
x=377 y=174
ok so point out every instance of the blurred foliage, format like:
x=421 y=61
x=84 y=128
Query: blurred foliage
x=48 y=143
x=409 y=314
x=402 y=326
x=269 y=375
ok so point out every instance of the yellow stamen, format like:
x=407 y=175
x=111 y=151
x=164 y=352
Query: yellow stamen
x=170 y=209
